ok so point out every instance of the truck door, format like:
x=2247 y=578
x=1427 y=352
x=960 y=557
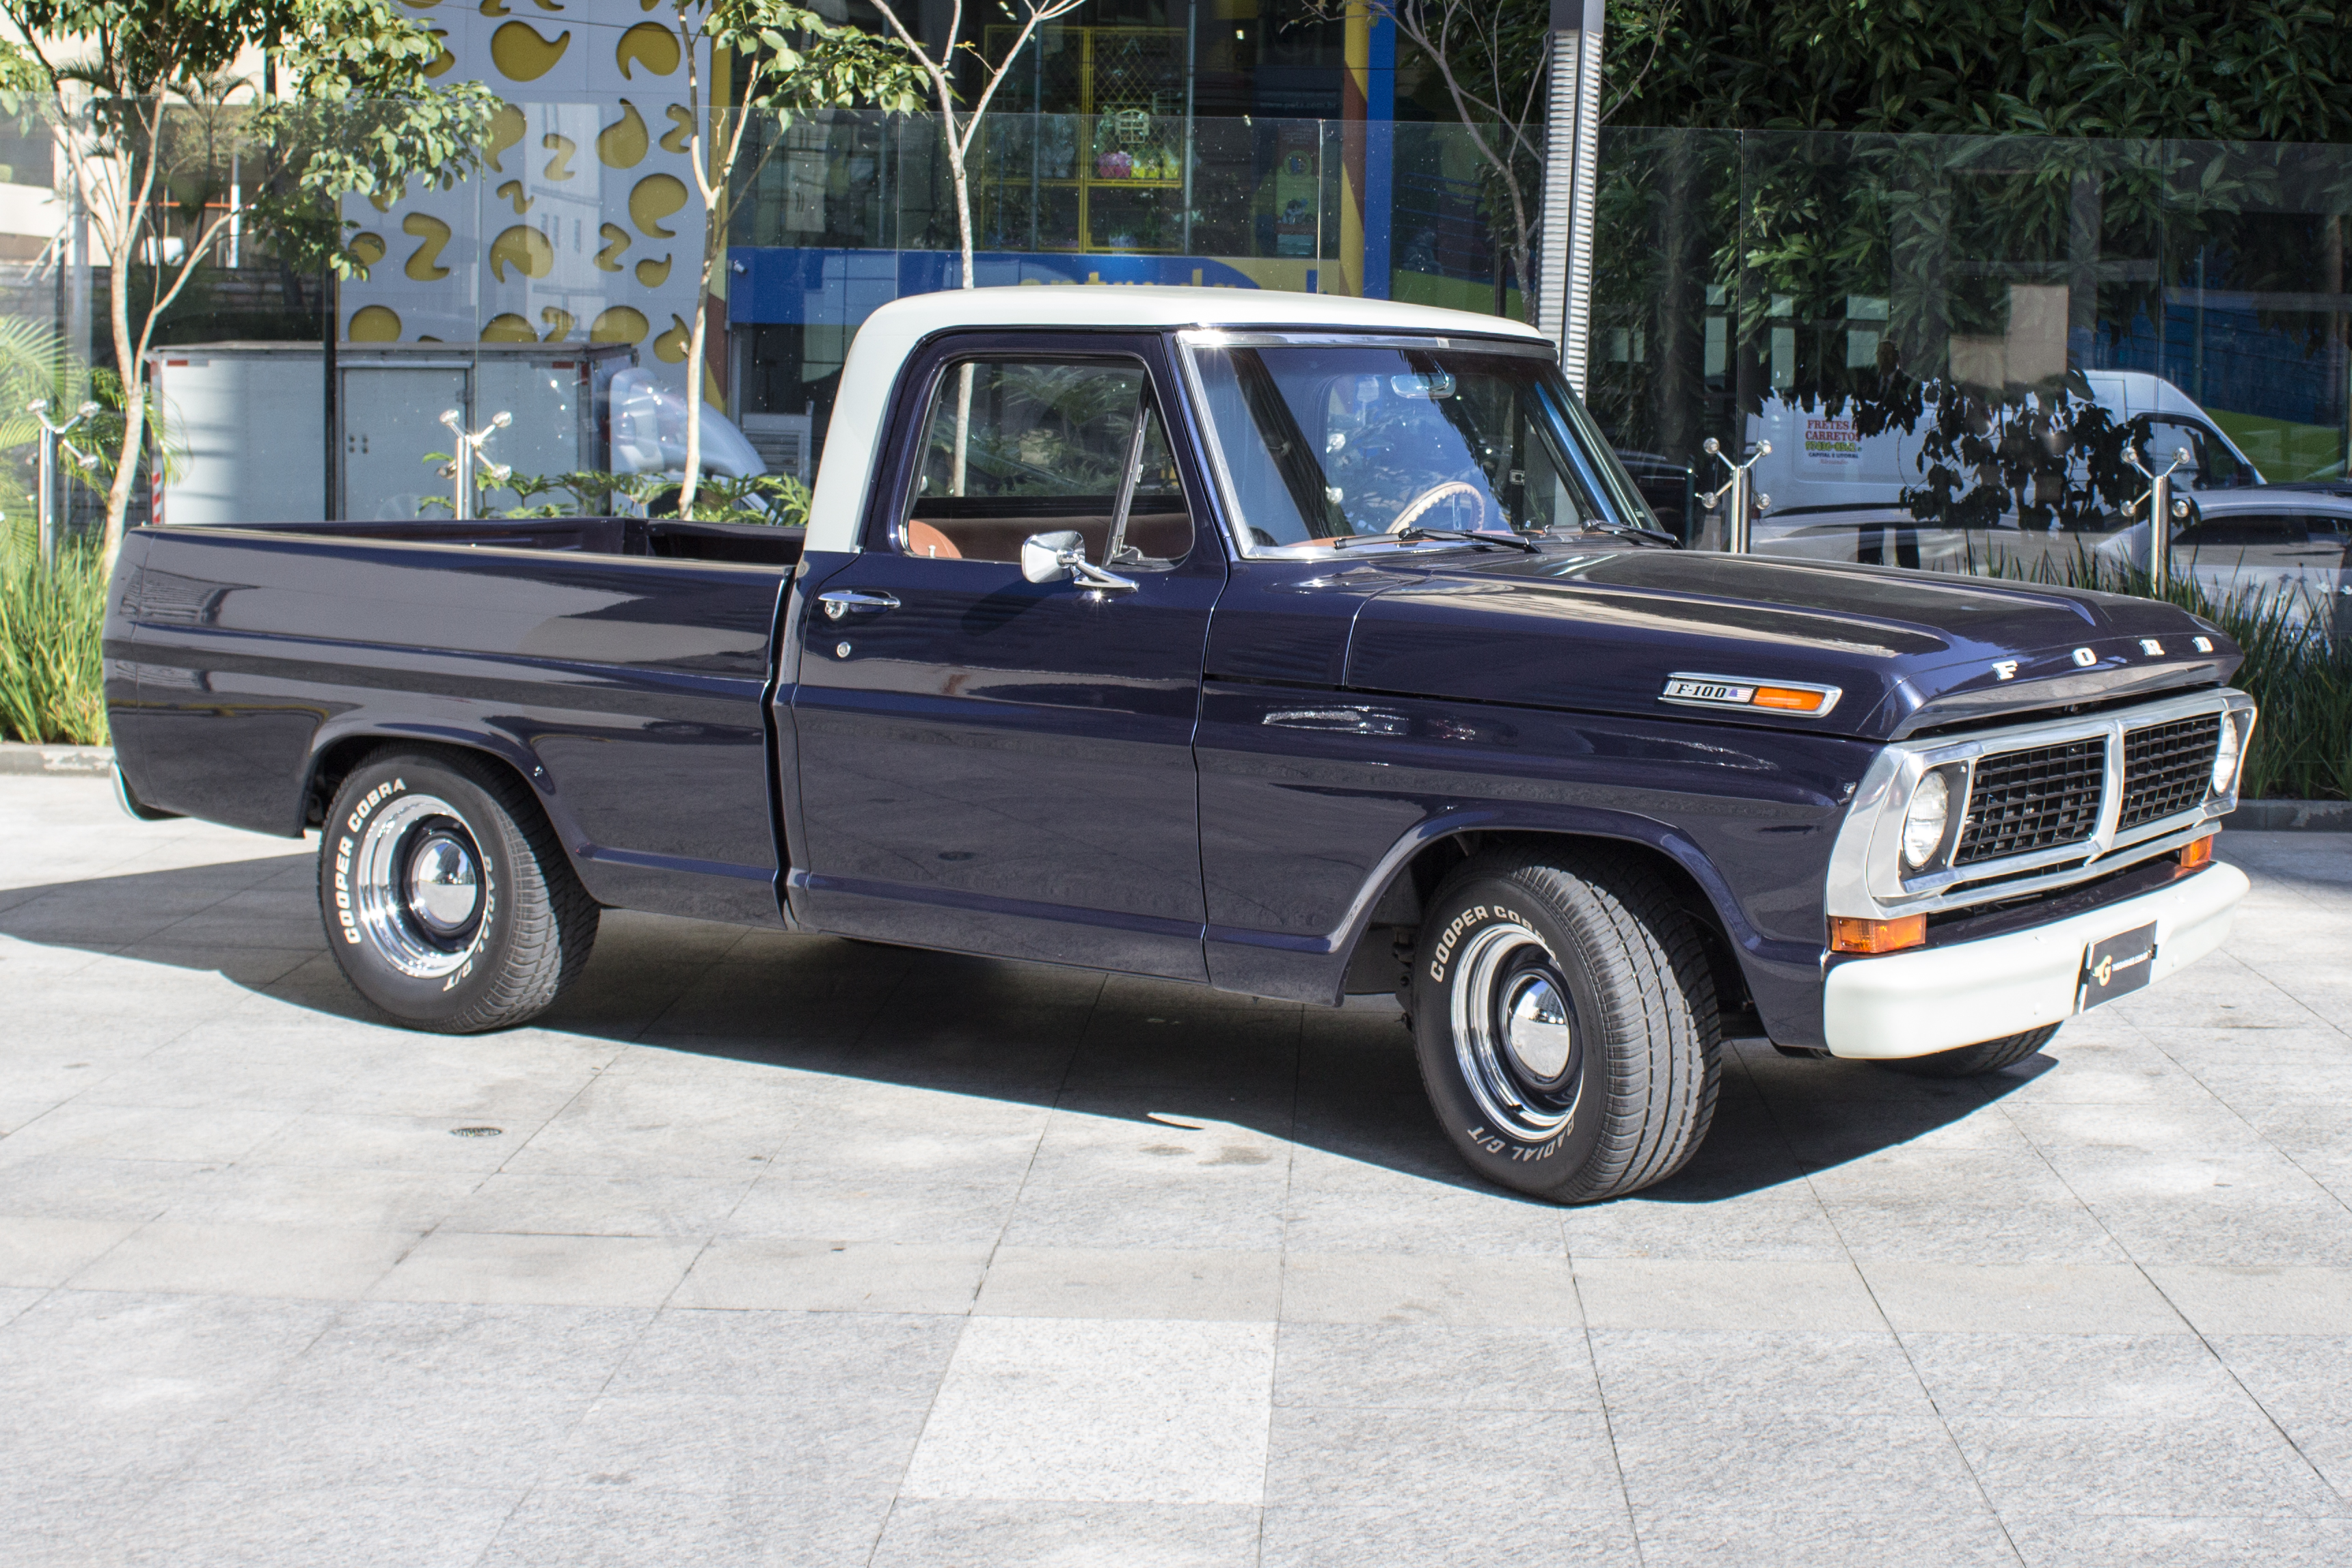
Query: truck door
x=996 y=765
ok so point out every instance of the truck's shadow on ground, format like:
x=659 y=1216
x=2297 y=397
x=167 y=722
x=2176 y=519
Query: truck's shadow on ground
x=1345 y=1082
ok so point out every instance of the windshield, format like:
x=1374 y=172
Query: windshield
x=1327 y=442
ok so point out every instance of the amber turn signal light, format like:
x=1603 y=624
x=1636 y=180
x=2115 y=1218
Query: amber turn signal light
x=2200 y=853
x=1787 y=698
x=1848 y=934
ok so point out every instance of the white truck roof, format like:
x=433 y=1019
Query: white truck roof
x=890 y=334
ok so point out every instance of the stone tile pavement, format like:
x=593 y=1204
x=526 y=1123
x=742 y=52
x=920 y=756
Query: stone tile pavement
x=785 y=1250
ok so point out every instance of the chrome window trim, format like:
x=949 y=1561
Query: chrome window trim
x=1866 y=877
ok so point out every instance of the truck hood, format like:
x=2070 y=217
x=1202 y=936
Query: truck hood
x=1604 y=631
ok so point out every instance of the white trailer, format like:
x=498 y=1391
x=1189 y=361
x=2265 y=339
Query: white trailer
x=245 y=441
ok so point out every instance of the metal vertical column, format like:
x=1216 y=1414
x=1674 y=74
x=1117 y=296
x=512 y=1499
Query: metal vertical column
x=2162 y=509
x=1572 y=125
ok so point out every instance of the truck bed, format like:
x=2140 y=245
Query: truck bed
x=620 y=664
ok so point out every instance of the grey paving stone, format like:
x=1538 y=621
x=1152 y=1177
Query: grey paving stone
x=1074 y=1282
x=874 y=1357
x=1087 y=1412
x=923 y=1534
x=121 y=1387
x=1802 y=1371
x=225 y=1522
x=737 y=1445
x=620 y=1525
x=1363 y=1458
x=1785 y=1537
x=44 y=1252
x=2238 y=1541
x=2102 y=1376
x=2228 y=1464
x=1434 y=1366
x=1681 y=1293
x=1700 y=1460
x=761 y=1272
x=2301 y=1383
x=1373 y=1287
x=1442 y=1534
x=316 y=1261
x=2020 y=1298
x=545 y=1270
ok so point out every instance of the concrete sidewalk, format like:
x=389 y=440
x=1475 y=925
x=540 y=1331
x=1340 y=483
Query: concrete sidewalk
x=784 y=1250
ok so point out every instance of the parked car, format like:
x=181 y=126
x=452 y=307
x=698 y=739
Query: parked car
x=1292 y=646
x=2292 y=543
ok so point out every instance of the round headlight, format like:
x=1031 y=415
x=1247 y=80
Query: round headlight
x=2225 y=757
x=1924 y=820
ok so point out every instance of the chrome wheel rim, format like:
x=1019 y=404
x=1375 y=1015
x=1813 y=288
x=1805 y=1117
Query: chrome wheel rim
x=418 y=886
x=1516 y=1033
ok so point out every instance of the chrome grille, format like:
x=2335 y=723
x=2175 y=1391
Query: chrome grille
x=2024 y=800
x=2168 y=768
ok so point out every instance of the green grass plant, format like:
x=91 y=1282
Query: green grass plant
x=52 y=686
x=2298 y=668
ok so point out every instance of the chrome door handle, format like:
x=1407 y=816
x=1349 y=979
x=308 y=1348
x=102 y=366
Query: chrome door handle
x=840 y=603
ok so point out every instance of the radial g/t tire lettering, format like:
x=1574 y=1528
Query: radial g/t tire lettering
x=1565 y=1017
x=447 y=900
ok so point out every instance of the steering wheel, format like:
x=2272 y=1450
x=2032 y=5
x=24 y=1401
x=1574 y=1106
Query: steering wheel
x=1420 y=503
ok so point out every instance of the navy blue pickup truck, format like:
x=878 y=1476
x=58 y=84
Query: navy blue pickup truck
x=1297 y=646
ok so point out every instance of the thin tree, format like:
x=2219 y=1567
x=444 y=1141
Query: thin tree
x=1492 y=57
x=958 y=137
x=790 y=62
x=115 y=72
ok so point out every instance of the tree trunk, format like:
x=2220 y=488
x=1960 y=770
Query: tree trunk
x=134 y=407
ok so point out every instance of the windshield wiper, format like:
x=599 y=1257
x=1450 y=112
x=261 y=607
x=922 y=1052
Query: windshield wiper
x=1626 y=530
x=1467 y=536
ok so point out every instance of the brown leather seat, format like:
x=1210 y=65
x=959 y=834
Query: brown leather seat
x=929 y=543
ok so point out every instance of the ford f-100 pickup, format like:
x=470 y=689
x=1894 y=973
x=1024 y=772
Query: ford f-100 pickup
x=1294 y=645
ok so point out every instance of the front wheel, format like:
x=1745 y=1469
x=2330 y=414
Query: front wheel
x=1565 y=1017
x=447 y=900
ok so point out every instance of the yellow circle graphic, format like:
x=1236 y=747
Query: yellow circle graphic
x=374 y=324
x=620 y=324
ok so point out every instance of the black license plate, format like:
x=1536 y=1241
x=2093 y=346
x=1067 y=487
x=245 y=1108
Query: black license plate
x=2118 y=965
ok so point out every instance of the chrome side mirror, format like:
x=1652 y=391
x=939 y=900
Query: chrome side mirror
x=1061 y=557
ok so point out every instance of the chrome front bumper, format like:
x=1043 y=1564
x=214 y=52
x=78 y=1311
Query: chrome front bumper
x=1941 y=998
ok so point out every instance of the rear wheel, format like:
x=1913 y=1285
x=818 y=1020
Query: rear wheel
x=1565 y=1017
x=1968 y=1061
x=448 y=902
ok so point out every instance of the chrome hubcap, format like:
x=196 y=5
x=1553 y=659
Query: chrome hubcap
x=1516 y=1033
x=417 y=887
x=444 y=888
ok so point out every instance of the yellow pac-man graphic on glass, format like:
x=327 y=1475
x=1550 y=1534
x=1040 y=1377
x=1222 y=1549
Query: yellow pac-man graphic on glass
x=655 y=197
x=525 y=249
x=650 y=45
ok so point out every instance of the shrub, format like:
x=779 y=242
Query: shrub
x=52 y=686
x=2296 y=670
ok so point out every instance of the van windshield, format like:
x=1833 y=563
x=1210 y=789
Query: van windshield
x=1327 y=442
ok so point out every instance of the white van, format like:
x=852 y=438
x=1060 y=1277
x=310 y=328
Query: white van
x=1820 y=463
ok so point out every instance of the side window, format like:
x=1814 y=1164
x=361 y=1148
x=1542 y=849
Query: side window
x=2243 y=530
x=1013 y=448
x=2211 y=466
